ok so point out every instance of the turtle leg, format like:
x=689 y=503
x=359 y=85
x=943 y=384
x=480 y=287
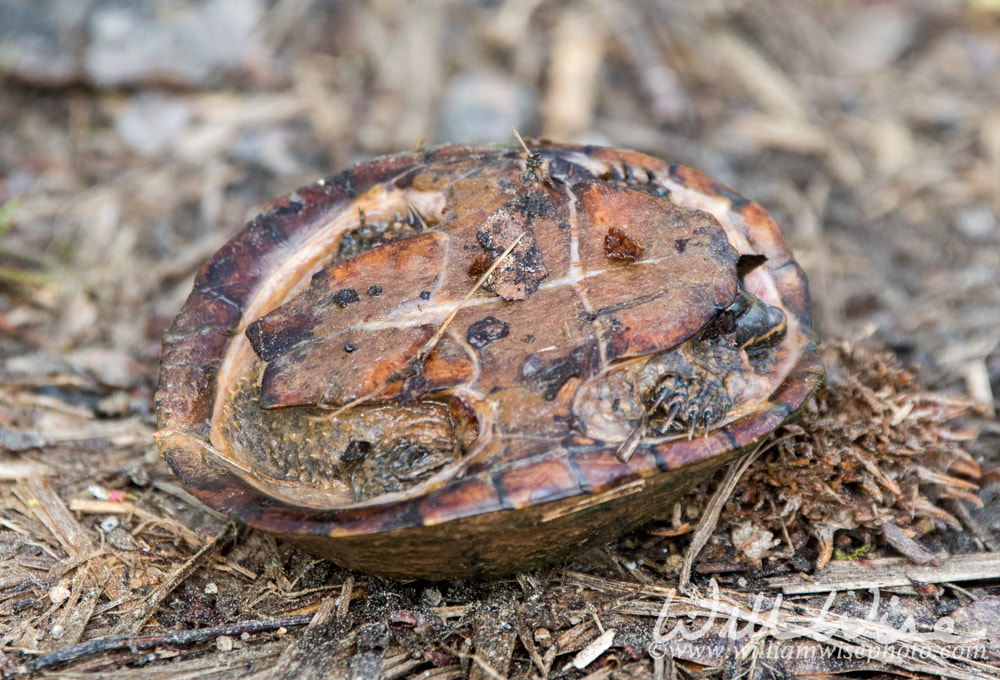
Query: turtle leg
x=686 y=389
x=687 y=402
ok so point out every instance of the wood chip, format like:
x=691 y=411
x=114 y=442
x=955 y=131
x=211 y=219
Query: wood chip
x=571 y=96
x=24 y=469
x=589 y=654
x=344 y=599
x=494 y=645
x=891 y=571
x=917 y=553
x=50 y=510
x=131 y=624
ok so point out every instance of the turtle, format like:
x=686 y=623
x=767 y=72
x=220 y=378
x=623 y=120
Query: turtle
x=471 y=360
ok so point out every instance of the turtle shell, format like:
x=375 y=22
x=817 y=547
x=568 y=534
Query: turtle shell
x=461 y=362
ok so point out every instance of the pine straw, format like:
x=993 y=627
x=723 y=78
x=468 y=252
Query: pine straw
x=874 y=449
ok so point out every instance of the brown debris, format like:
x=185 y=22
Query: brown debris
x=131 y=625
x=493 y=645
x=874 y=450
x=618 y=245
x=519 y=275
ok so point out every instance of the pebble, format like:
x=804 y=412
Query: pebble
x=152 y=123
x=483 y=106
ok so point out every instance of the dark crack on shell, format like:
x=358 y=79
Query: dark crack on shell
x=549 y=376
x=486 y=330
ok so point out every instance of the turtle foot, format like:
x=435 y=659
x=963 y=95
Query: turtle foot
x=685 y=403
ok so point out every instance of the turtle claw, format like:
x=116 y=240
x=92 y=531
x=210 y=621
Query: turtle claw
x=708 y=419
x=671 y=415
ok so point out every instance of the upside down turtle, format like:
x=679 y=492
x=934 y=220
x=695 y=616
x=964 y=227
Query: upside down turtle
x=466 y=361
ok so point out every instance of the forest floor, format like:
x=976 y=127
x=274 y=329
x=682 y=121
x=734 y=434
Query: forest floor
x=137 y=139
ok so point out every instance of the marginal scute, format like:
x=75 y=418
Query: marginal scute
x=543 y=481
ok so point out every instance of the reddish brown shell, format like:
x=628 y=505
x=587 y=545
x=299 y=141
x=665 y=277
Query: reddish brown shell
x=339 y=300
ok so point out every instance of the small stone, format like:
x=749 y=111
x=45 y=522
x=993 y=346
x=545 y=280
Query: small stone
x=121 y=539
x=211 y=588
x=432 y=597
x=224 y=643
x=59 y=594
x=481 y=106
x=978 y=223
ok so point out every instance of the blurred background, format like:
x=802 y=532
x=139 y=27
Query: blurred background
x=137 y=137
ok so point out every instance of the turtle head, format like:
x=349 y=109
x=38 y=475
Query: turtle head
x=748 y=323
